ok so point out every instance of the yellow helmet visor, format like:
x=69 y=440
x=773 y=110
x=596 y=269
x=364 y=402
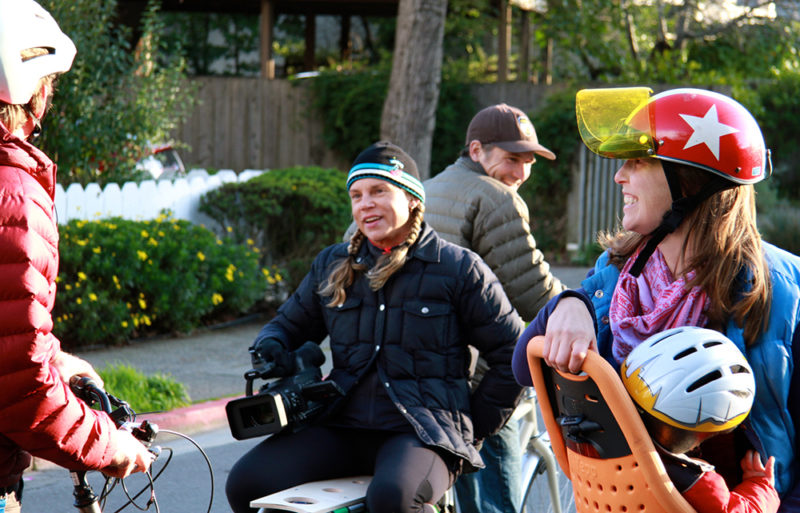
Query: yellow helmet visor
x=615 y=122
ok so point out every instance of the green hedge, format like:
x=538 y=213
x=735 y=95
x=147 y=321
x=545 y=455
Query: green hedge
x=121 y=279
x=290 y=214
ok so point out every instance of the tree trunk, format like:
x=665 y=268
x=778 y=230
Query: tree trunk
x=409 y=112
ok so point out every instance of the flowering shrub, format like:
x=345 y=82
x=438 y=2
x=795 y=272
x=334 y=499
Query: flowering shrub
x=120 y=279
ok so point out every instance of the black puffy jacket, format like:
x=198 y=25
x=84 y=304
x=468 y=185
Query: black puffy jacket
x=416 y=330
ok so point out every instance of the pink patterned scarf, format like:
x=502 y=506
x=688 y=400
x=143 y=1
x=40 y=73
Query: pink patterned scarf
x=651 y=303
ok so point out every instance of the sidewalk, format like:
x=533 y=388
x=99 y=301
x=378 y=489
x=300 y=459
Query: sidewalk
x=211 y=363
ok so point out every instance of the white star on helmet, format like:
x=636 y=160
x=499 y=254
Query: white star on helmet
x=707 y=130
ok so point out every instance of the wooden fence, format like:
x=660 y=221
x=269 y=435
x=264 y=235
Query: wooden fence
x=252 y=123
x=595 y=201
x=145 y=200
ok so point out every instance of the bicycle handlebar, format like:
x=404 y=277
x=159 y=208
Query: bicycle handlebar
x=123 y=416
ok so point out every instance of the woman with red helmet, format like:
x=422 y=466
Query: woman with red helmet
x=688 y=254
x=39 y=415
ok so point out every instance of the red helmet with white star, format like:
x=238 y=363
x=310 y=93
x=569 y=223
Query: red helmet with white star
x=700 y=128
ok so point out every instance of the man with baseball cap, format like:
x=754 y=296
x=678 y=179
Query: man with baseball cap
x=474 y=203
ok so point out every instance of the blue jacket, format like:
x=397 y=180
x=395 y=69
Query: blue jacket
x=773 y=422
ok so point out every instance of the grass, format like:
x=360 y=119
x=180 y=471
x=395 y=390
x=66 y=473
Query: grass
x=145 y=393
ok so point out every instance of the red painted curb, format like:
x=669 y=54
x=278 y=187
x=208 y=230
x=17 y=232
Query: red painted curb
x=191 y=419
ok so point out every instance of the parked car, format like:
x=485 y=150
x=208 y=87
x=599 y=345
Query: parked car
x=163 y=163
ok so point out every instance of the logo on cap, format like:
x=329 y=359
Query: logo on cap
x=525 y=126
x=398 y=166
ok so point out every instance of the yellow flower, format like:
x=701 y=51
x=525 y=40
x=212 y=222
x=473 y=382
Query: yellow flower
x=124 y=324
x=145 y=234
x=200 y=256
x=96 y=250
x=278 y=277
x=116 y=281
x=160 y=233
x=142 y=255
x=250 y=242
x=271 y=280
x=82 y=242
x=142 y=304
x=92 y=296
x=229 y=272
x=229 y=229
x=81 y=275
x=67 y=287
x=79 y=300
x=216 y=298
x=152 y=242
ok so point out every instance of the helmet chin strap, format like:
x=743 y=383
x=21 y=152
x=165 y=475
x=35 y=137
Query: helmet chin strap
x=681 y=207
x=37 y=123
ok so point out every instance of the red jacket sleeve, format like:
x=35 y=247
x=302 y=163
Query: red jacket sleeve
x=710 y=494
x=38 y=412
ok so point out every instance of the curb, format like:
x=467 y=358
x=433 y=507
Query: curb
x=190 y=419
x=194 y=418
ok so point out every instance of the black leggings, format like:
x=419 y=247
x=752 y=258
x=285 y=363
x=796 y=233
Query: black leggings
x=406 y=473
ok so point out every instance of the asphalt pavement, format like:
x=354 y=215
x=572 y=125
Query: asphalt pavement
x=211 y=363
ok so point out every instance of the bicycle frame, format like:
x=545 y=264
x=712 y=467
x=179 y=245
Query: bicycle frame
x=532 y=439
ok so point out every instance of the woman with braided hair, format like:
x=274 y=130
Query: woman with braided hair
x=401 y=306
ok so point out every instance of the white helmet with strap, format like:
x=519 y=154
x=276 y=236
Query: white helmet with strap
x=24 y=24
x=691 y=378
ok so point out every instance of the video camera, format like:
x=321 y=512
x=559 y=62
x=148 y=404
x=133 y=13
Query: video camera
x=292 y=401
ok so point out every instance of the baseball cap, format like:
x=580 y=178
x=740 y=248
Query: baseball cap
x=507 y=127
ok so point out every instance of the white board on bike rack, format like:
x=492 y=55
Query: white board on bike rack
x=317 y=497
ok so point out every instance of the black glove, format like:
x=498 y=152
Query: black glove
x=275 y=355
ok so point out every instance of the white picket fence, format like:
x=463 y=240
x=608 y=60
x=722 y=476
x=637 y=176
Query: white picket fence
x=144 y=201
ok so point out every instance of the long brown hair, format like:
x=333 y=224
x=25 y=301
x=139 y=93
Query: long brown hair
x=726 y=250
x=344 y=271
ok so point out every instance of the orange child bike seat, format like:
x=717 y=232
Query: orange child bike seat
x=600 y=441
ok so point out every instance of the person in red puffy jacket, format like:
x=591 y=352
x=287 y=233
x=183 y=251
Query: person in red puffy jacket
x=39 y=415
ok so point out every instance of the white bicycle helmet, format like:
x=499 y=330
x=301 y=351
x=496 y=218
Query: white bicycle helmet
x=24 y=24
x=691 y=378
